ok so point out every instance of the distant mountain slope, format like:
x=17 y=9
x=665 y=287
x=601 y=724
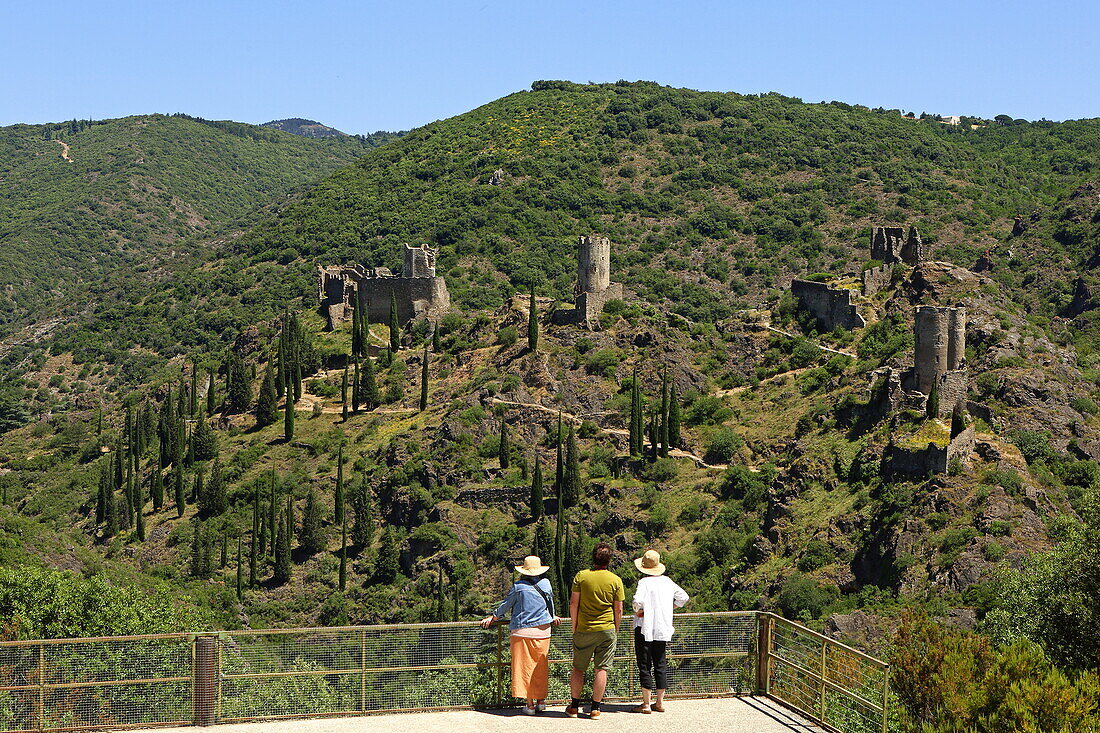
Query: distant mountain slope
x=80 y=199
x=305 y=128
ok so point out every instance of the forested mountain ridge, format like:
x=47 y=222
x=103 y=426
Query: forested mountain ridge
x=713 y=202
x=303 y=127
x=82 y=198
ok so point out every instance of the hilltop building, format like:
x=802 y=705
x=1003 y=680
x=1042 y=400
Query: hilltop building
x=418 y=290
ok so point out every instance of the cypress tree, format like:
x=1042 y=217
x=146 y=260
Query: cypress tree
x=254 y=546
x=673 y=417
x=266 y=536
x=240 y=574
x=204 y=441
x=356 y=330
x=288 y=416
x=280 y=365
x=532 y=325
x=362 y=527
x=571 y=490
x=290 y=519
x=369 y=390
x=388 y=565
x=311 y=538
x=238 y=388
x=424 y=380
x=127 y=515
x=272 y=514
x=166 y=430
x=211 y=394
x=267 y=405
x=537 y=503
x=440 y=610
x=338 y=499
x=662 y=432
x=364 y=328
x=356 y=389
x=181 y=500
x=344 y=395
x=198 y=489
x=435 y=339
x=559 y=467
x=560 y=578
x=297 y=382
x=112 y=515
x=216 y=500
x=139 y=523
x=544 y=540
x=503 y=448
x=635 y=416
x=343 y=581
x=158 y=487
x=193 y=395
x=934 y=401
x=653 y=439
x=282 y=555
x=386 y=356
x=395 y=327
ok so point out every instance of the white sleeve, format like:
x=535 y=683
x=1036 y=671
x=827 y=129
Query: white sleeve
x=679 y=596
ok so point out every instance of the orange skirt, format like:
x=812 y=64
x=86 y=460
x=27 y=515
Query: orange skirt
x=530 y=668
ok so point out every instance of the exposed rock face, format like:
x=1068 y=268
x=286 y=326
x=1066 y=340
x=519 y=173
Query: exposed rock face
x=1082 y=299
x=497 y=177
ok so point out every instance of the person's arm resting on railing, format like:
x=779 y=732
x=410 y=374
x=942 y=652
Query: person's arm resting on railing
x=503 y=608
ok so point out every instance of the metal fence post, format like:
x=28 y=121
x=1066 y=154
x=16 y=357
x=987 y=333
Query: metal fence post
x=824 y=651
x=362 y=671
x=206 y=680
x=41 y=686
x=500 y=666
x=763 y=648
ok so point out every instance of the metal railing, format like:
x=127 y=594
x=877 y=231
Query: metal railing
x=237 y=676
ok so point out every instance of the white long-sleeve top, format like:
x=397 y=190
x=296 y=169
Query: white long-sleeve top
x=657 y=596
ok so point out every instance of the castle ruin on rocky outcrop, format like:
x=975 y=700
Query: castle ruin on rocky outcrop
x=893 y=244
x=832 y=307
x=419 y=292
x=594 y=286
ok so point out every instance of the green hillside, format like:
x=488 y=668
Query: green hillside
x=778 y=494
x=79 y=200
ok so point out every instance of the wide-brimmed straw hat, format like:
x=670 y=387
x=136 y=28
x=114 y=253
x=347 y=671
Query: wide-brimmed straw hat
x=532 y=565
x=650 y=563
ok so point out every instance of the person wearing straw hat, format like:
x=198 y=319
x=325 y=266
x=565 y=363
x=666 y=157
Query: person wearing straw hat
x=654 y=600
x=531 y=604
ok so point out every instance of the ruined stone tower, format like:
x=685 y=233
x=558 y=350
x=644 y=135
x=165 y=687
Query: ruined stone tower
x=892 y=244
x=939 y=353
x=418 y=290
x=593 y=265
x=594 y=286
x=419 y=262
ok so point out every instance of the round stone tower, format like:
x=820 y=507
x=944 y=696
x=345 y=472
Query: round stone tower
x=594 y=265
x=939 y=343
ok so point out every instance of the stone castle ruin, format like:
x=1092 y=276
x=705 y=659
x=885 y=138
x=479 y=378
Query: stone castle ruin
x=939 y=348
x=892 y=244
x=418 y=290
x=832 y=307
x=594 y=286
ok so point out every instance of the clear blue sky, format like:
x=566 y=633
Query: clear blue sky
x=363 y=66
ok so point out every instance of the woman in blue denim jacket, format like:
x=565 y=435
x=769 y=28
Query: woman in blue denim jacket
x=531 y=604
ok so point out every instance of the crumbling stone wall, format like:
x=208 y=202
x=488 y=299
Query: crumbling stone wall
x=832 y=307
x=930 y=459
x=876 y=279
x=893 y=244
x=418 y=290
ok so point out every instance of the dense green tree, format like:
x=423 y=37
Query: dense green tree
x=204 y=440
x=288 y=416
x=211 y=394
x=157 y=488
x=537 y=501
x=112 y=515
x=933 y=404
x=238 y=387
x=543 y=545
x=635 y=416
x=215 y=501
x=311 y=537
x=139 y=523
x=267 y=404
x=357 y=347
x=362 y=505
x=344 y=395
x=532 y=324
x=193 y=393
x=389 y=557
x=395 y=325
x=357 y=389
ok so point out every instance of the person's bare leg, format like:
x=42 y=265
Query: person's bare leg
x=660 y=697
x=530 y=703
x=576 y=683
x=599 y=683
x=645 y=697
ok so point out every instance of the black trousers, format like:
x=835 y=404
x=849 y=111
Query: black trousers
x=652 y=662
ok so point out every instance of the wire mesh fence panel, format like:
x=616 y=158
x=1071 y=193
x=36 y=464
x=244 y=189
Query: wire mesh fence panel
x=824 y=679
x=135 y=681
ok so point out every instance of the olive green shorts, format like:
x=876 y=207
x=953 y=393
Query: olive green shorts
x=594 y=645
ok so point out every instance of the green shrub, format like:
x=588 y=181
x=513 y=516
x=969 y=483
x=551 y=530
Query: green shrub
x=817 y=555
x=604 y=362
x=723 y=447
x=802 y=597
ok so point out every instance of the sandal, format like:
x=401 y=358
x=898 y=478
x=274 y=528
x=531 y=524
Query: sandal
x=641 y=709
x=658 y=707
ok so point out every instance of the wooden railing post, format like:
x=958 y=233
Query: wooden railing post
x=207 y=674
x=824 y=651
x=763 y=649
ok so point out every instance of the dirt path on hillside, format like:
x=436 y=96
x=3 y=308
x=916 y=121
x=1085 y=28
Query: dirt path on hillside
x=64 y=150
x=775 y=377
x=829 y=349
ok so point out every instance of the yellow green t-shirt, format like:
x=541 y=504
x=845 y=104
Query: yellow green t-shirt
x=599 y=589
